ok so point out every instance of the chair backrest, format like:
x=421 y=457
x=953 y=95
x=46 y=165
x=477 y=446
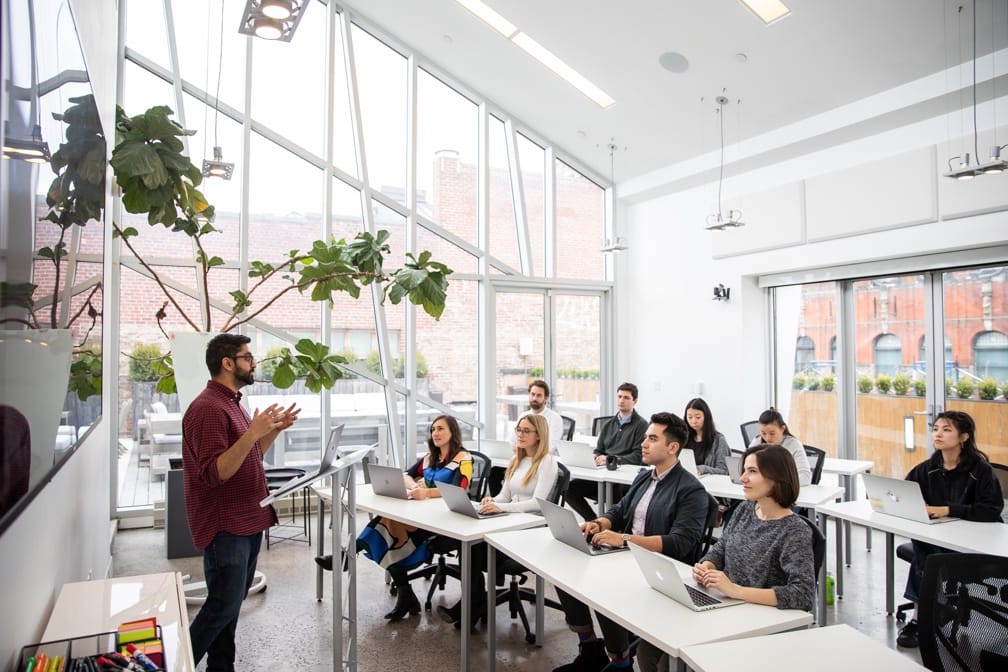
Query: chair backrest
x=127 y=410
x=597 y=424
x=818 y=545
x=568 y=428
x=816 y=458
x=962 y=613
x=708 y=535
x=750 y=430
x=480 y=482
x=1001 y=471
x=556 y=495
x=158 y=408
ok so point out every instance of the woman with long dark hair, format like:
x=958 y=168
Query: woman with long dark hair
x=774 y=430
x=708 y=445
x=957 y=481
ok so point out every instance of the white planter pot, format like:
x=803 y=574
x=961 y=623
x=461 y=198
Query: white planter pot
x=188 y=350
x=35 y=366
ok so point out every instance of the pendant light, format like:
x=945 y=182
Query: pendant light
x=730 y=219
x=217 y=167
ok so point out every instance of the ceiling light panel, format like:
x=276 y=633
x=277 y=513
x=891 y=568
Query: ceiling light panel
x=569 y=74
x=490 y=17
x=767 y=10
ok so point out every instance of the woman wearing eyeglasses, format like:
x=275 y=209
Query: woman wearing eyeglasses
x=399 y=547
x=531 y=473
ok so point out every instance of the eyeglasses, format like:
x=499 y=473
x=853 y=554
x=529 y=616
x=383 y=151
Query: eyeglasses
x=524 y=431
x=248 y=357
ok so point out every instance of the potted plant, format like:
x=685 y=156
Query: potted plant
x=988 y=389
x=964 y=388
x=920 y=387
x=901 y=384
x=865 y=384
x=883 y=383
x=158 y=180
x=828 y=382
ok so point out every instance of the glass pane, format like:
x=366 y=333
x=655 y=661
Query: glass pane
x=578 y=359
x=381 y=86
x=580 y=225
x=806 y=383
x=450 y=348
x=448 y=253
x=891 y=425
x=976 y=325
x=503 y=234
x=142 y=90
x=145 y=30
x=532 y=159
x=211 y=51
x=520 y=342
x=447 y=125
x=277 y=91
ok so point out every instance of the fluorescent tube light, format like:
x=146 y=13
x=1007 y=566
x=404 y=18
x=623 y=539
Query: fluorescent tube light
x=488 y=16
x=767 y=10
x=567 y=73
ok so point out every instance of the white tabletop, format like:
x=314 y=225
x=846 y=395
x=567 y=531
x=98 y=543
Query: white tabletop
x=810 y=496
x=837 y=648
x=834 y=465
x=614 y=585
x=965 y=536
x=89 y=607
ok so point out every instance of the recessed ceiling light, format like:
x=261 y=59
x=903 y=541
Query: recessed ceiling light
x=554 y=63
x=673 y=61
x=767 y=10
x=741 y=58
x=447 y=39
x=490 y=17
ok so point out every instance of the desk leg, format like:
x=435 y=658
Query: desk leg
x=600 y=497
x=821 y=615
x=848 y=487
x=540 y=609
x=890 y=601
x=466 y=606
x=840 y=551
x=321 y=547
x=491 y=598
x=868 y=534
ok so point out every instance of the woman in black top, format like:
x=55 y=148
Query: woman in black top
x=708 y=445
x=957 y=481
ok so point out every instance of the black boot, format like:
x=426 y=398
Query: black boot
x=591 y=658
x=324 y=561
x=453 y=614
x=406 y=603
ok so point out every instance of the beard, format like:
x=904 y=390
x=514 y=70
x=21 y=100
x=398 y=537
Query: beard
x=246 y=378
x=537 y=405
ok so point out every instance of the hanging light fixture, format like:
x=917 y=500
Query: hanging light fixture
x=616 y=243
x=217 y=167
x=272 y=19
x=730 y=219
x=31 y=148
x=965 y=170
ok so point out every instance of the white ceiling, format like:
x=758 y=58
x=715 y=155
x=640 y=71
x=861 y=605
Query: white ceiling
x=826 y=54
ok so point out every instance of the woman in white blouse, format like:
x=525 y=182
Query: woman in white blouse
x=531 y=473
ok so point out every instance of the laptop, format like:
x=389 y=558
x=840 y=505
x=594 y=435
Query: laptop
x=387 y=481
x=734 y=464
x=457 y=499
x=900 y=498
x=329 y=456
x=495 y=450
x=662 y=574
x=565 y=527
x=577 y=455
x=688 y=460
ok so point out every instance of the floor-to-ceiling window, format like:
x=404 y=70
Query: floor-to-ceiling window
x=340 y=131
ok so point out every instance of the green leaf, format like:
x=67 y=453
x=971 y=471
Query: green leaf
x=283 y=377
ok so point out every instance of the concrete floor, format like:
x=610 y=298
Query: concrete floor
x=286 y=628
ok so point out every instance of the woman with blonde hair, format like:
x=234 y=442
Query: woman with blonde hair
x=531 y=473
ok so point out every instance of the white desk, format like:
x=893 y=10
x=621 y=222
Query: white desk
x=602 y=477
x=960 y=535
x=847 y=470
x=838 y=648
x=433 y=515
x=89 y=607
x=613 y=585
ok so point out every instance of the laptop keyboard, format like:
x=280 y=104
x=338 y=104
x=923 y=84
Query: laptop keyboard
x=701 y=599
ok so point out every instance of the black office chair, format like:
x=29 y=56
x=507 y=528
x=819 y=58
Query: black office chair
x=514 y=594
x=275 y=478
x=444 y=547
x=1001 y=471
x=750 y=430
x=598 y=422
x=963 y=613
x=816 y=458
x=707 y=540
x=568 y=428
x=818 y=545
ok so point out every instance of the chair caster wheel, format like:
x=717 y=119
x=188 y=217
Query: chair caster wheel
x=530 y=639
x=427 y=606
x=393 y=591
x=901 y=617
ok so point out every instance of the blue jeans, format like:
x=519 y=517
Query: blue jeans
x=229 y=564
x=921 y=551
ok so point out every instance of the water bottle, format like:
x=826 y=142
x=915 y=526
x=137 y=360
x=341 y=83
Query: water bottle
x=829 y=589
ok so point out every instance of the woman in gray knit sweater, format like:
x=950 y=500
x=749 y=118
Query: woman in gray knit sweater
x=765 y=555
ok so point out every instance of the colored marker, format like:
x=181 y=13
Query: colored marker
x=30 y=665
x=141 y=658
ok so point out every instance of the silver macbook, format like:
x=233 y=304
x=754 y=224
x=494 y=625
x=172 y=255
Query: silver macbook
x=495 y=450
x=662 y=574
x=564 y=527
x=574 y=454
x=900 y=498
x=734 y=464
x=325 y=467
x=457 y=499
x=387 y=481
x=688 y=460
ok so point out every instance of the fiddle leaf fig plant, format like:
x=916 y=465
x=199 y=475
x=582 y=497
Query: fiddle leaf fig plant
x=158 y=180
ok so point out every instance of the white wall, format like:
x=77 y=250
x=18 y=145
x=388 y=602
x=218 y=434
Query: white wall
x=64 y=534
x=672 y=335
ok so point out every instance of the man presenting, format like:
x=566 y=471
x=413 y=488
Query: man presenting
x=222 y=455
x=664 y=510
x=620 y=436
